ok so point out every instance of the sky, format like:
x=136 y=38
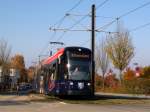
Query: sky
x=25 y=25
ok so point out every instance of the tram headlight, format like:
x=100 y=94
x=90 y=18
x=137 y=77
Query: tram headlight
x=71 y=83
x=88 y=84
x=68 y=65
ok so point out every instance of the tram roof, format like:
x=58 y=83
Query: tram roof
x=59 y=53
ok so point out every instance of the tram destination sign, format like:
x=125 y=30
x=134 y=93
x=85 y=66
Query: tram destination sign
x=73 y=55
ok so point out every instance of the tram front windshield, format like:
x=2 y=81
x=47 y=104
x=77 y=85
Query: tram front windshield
x=79 y=67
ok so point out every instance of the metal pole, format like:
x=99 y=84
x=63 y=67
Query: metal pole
x=93 y=45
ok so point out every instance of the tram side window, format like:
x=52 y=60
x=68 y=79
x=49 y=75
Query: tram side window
x=53 y=72
x=63 y=69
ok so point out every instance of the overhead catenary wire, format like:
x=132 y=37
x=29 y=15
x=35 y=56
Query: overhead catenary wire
x=106 y=32
x=65 y=29
x=106 y=25
x=46 y=45
x=125 y=14
x=133 y=10
x=100 y=5
x=59 y=23
x=140 y=27
x=121 y=16
x=54 y=34
x=82 y=19
x=76 y=5
x=86 y=42
x=63 y=18
x=105 y=17
x=79 y=23
x=78 y=30
x=73 y=14
x=88 y=15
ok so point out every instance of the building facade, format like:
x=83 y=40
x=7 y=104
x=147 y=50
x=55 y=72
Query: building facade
x=9 y=79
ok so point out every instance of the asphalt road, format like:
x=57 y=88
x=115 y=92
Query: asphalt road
x=23 y=104
x=64 y=107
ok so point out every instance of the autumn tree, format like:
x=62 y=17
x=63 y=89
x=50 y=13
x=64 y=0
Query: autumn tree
x=101 y=60
x=129 y=74
x=120 y=49
x=111 y=81
x=31 y=73
x=146 y=72
x=17 y=62
x=98 y=81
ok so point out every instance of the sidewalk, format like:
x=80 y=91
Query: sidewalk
x=128 y=96
x=31 y=97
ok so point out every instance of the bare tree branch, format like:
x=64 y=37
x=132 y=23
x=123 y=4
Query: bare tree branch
x=101 y=59
x=5 y=51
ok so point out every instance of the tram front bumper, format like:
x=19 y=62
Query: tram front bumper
x=79 y=92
